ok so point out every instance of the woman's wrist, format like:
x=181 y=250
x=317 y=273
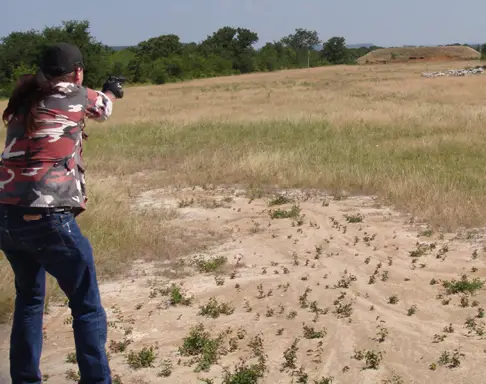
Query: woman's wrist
x=110 y=95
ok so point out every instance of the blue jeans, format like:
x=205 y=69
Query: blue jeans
x=52 y=242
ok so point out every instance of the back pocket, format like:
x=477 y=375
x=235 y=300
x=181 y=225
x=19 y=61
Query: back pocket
x=41 y=237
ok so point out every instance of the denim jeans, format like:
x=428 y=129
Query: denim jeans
x=52 y=243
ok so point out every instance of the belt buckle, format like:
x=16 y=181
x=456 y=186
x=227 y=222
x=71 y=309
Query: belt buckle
x=31 y=217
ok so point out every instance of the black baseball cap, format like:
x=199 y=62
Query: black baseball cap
x=60 y=59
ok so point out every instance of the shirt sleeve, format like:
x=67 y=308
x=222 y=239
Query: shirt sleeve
x=99 y=106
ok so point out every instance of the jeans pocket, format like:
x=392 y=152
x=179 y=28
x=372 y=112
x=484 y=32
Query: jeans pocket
x=40 y=237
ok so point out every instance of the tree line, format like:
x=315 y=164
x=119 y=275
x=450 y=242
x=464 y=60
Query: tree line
x=162 y=59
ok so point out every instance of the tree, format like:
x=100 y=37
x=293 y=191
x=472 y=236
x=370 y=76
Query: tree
x=19 y=48
x=302 y=42
x=22 y=50
x=302 y=39
x=158 y=47
x=482 y=50
x=335 y=51
x=235 y=44
x=95 y=54
x=141 y=67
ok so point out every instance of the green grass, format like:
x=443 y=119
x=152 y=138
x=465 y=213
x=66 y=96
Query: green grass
x=418 y=168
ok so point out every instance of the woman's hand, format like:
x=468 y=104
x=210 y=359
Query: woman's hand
x=113 y=86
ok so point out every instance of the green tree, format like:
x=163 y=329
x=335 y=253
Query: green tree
x=24 y=49
x=96 y=55
x=141 y=66
x=335 y=51
x=158 y=47
x=235 y=44
x=227 y=51
x=482 y=50
x=302 y=39
x=120 y=62
x=16 y=49
x=303 y=42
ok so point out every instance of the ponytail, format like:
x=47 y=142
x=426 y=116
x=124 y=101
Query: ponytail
x=28 y=92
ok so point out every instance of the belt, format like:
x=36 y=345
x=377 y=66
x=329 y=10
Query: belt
x=57 y=210
x=34 y=210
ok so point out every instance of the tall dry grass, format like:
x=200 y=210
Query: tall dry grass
x=417 y=143
x=383 y=129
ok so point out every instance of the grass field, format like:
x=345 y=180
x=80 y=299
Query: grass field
x=380 y=130
x=416 y=144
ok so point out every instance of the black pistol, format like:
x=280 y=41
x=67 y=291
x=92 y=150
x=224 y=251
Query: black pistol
x=117 y=79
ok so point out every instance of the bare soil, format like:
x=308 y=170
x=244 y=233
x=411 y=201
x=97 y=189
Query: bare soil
x=322 y=249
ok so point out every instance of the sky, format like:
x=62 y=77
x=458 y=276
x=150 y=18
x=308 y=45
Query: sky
x=381 y=22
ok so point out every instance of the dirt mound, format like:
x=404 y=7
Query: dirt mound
x=304 y=288
x=419 y=54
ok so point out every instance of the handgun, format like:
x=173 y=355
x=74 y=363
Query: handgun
x=117 y=79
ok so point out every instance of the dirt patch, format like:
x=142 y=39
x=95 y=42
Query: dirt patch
x=334 y=287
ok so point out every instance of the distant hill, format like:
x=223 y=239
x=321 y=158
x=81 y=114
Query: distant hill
x=120 y=47
x=416 y=54
x=366 y=45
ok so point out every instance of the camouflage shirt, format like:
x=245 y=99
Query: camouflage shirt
x=45 y=168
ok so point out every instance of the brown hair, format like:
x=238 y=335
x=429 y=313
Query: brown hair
x=27 y=93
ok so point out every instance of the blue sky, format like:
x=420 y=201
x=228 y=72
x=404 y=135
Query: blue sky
x=382 y=22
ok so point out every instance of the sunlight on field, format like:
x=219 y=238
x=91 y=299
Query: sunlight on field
x=417 y=144
x=382 y=130
x=362 y=129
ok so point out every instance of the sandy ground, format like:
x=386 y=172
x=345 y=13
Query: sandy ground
x=323 y=252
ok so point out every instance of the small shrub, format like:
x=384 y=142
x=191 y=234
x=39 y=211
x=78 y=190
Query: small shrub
x=451 y=360
x=283 y=214
x=142 y=359
x=199 y=344
x=183 y=203
x=357 y=218
x=463 y=286
x=119 y=346
x=166 y=369
x=71 y=358
x=372 y=358
x=411 y=311
x=290 y=356
x=310 y=333
x=243 y=374
x=280 y=200
x=176 y=296
x=213 y=309
x=71 y=374
x=324 y=380
x=210 y=265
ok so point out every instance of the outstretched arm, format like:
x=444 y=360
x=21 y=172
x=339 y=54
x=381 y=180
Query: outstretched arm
x=100 y=103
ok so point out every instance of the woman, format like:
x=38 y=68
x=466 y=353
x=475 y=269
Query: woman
x=42 y=190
